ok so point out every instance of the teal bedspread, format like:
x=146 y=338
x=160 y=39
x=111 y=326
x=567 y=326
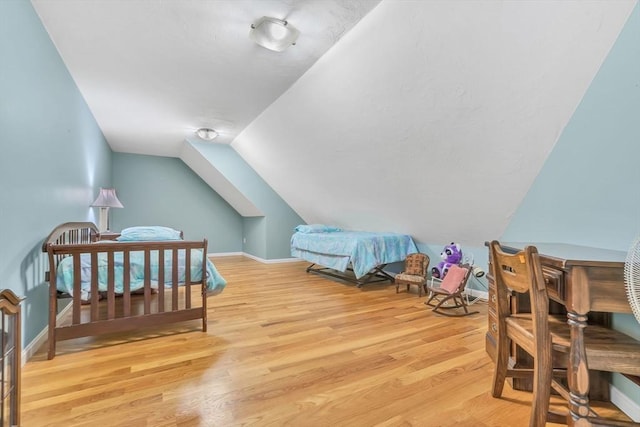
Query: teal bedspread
x=364 y=250
x=64 y=276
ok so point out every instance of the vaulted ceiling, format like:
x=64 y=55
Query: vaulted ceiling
x=426 y=117
x=153 y=72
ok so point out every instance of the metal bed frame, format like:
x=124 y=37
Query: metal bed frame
x=375 y=275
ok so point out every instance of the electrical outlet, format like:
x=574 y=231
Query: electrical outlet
x=244 y=240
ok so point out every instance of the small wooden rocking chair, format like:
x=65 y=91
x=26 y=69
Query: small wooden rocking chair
x=447 y=294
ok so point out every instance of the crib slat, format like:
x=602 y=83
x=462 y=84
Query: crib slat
x=95 y=294
x=75 y=316
x=111 y=288
x=174 y=280
x=161 y=281
x=203 y=284
x=147 y=281
x=187 y=278
x=126 y=283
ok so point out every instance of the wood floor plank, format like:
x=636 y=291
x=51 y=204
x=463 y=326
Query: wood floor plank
x=282 y=348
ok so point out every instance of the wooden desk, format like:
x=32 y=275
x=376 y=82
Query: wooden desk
x=584 y=280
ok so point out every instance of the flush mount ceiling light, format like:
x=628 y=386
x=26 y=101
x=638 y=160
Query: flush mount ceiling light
x=207 y=134
x=273 y=34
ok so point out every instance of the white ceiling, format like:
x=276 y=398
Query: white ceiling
x=152 y=72
x=430 y=117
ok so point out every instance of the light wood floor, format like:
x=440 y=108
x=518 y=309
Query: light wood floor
x=283 y=348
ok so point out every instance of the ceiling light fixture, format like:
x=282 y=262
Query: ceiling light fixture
x=207 y=134
x=273 y=34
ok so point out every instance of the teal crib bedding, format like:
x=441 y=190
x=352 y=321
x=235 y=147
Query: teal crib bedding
x=64 y=275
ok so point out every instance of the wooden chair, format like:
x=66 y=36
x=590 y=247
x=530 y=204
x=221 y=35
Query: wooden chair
x=415 y=272
x=448 y=294
x=547 y=339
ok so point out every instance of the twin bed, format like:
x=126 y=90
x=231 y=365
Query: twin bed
x=149 y=276
x=355 y=256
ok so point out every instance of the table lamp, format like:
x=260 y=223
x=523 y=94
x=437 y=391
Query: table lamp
x=105 y=200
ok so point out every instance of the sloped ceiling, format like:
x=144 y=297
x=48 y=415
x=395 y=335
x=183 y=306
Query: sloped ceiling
x=432 y=118
x=152 y=72
x=426 y=117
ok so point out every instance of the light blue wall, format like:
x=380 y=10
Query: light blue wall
x=165 y=191
x=54 y=156
x=588 y=191
x=254 y=235
x=279 y=220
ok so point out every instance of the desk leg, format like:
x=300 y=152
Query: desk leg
x=578 y=372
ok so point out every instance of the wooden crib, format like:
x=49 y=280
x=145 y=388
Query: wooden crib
x=161 y=304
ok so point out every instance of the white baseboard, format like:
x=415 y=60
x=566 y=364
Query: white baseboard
x=484 y=295
x=219 y=254
x=625 y=404
x=35 y=344
x=271 y=261
x=262 y=260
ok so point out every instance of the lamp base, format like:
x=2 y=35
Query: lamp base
x=103 y=220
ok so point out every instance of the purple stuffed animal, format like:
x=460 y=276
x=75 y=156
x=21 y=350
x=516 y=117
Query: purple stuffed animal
x=451 y=255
